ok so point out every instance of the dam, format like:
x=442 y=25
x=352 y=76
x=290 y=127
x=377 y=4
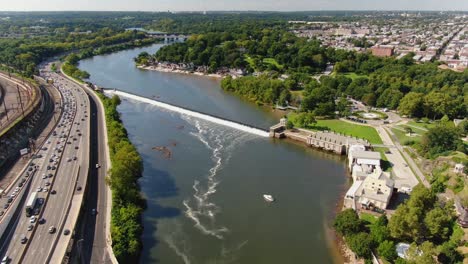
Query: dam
x=189 y=112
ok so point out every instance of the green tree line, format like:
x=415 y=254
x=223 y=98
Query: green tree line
x=24 y=54
x=127 y=203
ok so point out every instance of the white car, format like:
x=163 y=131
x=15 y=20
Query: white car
x=33 y=219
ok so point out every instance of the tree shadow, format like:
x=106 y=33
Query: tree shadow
x=319 y=128
x=385 y=164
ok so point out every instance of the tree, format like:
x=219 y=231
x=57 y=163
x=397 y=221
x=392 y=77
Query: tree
x=411 y=105
x=422 y=254
x=463 y=127
x=361 y=244
x=408 y=130
x=439 y=223
x=342 y=105
x=347 y=222
x=407 y=223
x=309 y=119
x=387 y=250
x=439 y=140
x=379 y=230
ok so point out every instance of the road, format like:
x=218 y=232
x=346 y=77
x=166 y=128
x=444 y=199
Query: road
x=92 y=232
x=65 y=180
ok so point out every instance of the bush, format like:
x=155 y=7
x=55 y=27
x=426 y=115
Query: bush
x=386 y=250
x=361 y=244
x=347 y=222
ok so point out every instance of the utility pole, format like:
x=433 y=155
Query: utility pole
x=21 y=101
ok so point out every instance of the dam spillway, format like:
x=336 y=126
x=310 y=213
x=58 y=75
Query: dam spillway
x=192 y=113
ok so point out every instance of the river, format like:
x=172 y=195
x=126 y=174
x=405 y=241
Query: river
x=204 y=195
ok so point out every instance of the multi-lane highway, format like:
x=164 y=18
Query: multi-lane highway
x=92 y=234
x=60 y=174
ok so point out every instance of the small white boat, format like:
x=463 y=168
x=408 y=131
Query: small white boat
x=268 y=198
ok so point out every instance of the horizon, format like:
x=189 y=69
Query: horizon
x=228 y=6
x=240 y=11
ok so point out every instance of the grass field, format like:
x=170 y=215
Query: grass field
x=266 y=61
x=402 y=137
x=355 y=130
x=351 y=75
x=422 y=126
x=249 y=60
x=368 y=218
x=272 y=61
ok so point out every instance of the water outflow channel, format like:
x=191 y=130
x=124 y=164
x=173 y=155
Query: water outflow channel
x=204 y=200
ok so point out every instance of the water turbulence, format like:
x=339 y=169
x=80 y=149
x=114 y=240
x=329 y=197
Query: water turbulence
x=199 y=208
x=192 y=113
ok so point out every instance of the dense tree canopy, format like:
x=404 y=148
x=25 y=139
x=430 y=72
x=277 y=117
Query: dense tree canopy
x=250 y=47
x=441 y=139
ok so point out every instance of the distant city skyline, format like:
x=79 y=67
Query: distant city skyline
x=223 y=5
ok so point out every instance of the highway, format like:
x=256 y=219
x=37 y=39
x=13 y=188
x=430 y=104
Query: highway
x=67 y=150
x=92 y=231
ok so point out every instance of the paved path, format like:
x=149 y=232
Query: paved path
x=403 y=175
x=404 y=168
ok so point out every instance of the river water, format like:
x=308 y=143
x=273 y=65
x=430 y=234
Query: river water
x=204 y=195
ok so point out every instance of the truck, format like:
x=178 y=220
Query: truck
x=31 y=204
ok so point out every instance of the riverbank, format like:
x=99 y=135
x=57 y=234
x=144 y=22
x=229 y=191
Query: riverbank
x=170 y=70
x=218 y=159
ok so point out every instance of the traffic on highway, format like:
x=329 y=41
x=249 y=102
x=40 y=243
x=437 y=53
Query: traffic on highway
x=35 y=206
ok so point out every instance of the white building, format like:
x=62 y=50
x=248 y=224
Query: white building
x=372 y=188
x=374 y=191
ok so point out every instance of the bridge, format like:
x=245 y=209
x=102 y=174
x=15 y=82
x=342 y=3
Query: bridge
x=191 y=112
x=168 y=37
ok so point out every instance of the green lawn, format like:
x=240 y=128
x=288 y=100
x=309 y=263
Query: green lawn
x=355 y=130
x=351 y=75
x=368 y=218
x=402 y=137
x=250 y=61
x=272 y=61
x=424 y=126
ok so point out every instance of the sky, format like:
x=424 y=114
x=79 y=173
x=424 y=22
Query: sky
x=238 y=5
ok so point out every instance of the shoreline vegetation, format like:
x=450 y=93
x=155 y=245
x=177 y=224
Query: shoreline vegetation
x=127 y=202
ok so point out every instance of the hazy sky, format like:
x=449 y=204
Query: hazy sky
x=190 y=5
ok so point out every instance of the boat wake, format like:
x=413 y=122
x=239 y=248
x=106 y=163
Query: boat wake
x=220 y=142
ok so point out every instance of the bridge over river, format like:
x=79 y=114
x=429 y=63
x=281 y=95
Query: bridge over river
x=191 y=112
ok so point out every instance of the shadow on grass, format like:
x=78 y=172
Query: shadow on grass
x=319 y=128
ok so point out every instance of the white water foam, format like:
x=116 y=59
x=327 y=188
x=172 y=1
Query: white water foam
x=202 y=207
x=176 y=240
x=212 y=119
x=220 y=142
